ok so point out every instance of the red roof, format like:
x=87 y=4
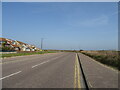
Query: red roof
x=21 y=42
x=3 y=39
x=15 y=45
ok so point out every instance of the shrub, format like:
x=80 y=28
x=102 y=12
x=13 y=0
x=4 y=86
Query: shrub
x=7 y=49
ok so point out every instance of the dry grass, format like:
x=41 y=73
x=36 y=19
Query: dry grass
x=103 y=52
x=110 y=58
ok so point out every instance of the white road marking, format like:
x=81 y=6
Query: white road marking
x=10 y=75
x=46 y=61
x=39 y=64
x=32 y=67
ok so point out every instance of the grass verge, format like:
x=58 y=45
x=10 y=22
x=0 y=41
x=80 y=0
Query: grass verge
x=110 y=60
x=22 y=54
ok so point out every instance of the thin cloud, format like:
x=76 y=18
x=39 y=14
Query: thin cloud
x=90 y=22
x=115 y=13
x=102 y=20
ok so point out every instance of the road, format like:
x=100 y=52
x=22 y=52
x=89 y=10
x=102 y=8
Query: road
x=55 y=70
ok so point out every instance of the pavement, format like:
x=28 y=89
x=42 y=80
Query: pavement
x=55 y=70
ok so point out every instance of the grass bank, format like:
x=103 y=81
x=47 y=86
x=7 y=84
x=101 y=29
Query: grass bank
x=110 y=58
x=24 y=53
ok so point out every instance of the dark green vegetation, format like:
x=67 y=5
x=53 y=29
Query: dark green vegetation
x=110 y=58
x=24 y=53
x=5 y=48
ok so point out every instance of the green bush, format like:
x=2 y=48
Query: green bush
x=7 y=49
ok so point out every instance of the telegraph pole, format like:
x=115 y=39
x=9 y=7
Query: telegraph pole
x=42 y=43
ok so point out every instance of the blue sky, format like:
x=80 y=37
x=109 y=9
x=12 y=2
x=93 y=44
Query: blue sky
x=89 y=25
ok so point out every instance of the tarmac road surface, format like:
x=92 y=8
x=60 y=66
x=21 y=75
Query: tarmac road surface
x=55 y=70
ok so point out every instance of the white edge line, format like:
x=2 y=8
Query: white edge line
x=10 y=75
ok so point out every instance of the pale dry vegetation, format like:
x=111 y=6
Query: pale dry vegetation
x=110 y=58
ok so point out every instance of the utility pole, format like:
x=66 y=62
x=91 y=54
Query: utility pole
x=42 y=43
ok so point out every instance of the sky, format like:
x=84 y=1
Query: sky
x=60 y=0
x=0 y=19
x=63 y=25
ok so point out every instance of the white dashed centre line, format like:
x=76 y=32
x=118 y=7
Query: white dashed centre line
x=10 y=75
x=39 y=64
x=45 y=62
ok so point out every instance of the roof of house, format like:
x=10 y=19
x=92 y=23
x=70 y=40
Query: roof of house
x=15 y=45
x=21 y=42
x=9 y=41
x=3 y=39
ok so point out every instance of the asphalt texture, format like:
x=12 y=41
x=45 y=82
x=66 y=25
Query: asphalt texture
x=56 y=70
